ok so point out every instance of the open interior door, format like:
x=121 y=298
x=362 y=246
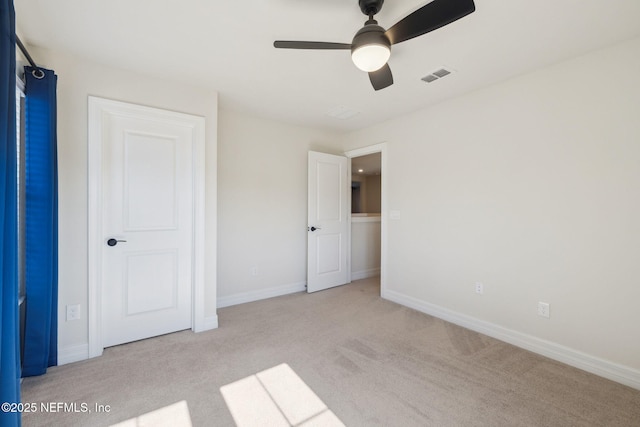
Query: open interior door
x=327 y=223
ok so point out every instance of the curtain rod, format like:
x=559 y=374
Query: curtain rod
x=38 y=73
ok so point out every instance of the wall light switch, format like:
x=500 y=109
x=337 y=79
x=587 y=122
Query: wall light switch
x=479 y=288
x=395 y=214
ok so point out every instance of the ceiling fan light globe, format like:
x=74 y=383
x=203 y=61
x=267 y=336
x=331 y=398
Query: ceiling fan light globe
x=370 y=57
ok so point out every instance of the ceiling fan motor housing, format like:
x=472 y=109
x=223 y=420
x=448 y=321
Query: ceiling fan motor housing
x=371 y=33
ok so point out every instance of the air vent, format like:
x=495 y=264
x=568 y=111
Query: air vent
x=441 y=72
x=341 y=112
x=430 y=78
x=438 y=74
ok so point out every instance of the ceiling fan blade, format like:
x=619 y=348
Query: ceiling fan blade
x=381 y=78
x=429 y=17
x=284 y=44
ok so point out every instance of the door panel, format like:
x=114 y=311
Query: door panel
x=148 y=207
x=150 y=182
x=146 y=268
x=328 y=206
x=328 y=187
x=328 y=253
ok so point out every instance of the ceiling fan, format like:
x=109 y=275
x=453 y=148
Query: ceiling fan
x=371 y=46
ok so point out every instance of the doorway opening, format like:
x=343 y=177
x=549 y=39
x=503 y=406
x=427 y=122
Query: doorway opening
x=368 y=219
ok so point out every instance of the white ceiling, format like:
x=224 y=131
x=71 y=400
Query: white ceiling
x=371 y=164
x=228 y=46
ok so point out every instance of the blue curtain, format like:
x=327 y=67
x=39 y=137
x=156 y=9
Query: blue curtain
x=10 y=341
x=41 y=223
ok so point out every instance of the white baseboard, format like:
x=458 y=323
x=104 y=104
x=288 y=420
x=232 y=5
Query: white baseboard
x=210 y=322
x=76 y=353
x=206 y=324
x=365 y=274
x=73 y=353
x=613 y=371
x=244 y=297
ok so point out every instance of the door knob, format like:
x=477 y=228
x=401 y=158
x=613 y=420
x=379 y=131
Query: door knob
x=113 y=242
x=313 y=228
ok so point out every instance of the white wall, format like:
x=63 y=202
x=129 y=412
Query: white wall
x=370 y=192
x=365 y=246
x=359 y=201
x=532 y=187
x=373 y=190
x=262 y=215
x=78 y=78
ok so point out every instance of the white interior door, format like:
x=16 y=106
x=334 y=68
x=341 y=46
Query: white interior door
x=147 y=225
x=328 y=229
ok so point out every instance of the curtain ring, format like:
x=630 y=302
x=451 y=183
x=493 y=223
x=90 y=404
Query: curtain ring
x=38 y=74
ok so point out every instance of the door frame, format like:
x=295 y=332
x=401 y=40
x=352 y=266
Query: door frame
x=96 y=108
x=382 y=149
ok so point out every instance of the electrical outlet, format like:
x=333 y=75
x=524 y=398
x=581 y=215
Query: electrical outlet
x=73 y=312
x=254 y=271
x=479 y=288
x=543 y=309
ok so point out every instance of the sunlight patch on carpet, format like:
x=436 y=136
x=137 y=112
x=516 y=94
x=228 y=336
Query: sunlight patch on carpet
x=276 y=397
x=176 y=415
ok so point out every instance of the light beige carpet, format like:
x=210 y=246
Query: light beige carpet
x=372 y=362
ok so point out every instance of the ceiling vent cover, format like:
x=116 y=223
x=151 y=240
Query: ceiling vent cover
x=342 y=112
x=437 y=74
